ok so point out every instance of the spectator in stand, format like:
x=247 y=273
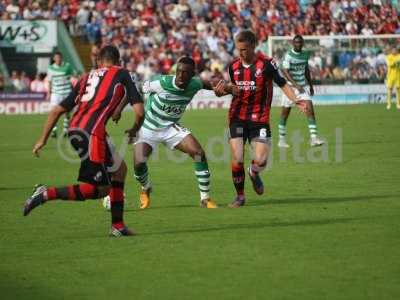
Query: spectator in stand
x=93 y=30
x=169 y=28
x=2 y=83
x=338 y=74
x=16 y=81
x=25 y=81
x=39 y=85
x=82 y=18
x=12 y=9
x=94 y=52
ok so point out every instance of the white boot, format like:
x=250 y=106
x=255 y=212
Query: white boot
x=282 y=143
x=315 y=141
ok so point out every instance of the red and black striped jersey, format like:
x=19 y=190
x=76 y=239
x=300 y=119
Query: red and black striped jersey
x=253 y=104
x=96 y=96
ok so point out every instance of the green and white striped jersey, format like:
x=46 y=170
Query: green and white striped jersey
x=165 y=102
x=296 y=64
x=60 y=78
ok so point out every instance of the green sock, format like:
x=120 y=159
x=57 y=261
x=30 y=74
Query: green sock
x=312 y=127
x=203 y=179
x=142 y=175
x=282 y=128
x=66 y=123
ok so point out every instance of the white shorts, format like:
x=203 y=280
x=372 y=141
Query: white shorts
x=56 y=99
x=170 y=136
x=286 y=102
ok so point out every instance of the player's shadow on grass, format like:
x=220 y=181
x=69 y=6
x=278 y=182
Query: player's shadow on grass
x=293 y=200
x=163 y=207
x=26 y=149
x=325 y=200
x=11 y=188
x=235 y=227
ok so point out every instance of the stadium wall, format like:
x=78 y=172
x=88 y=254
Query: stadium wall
x=324 y=95
x=34 y=103
x=24 y=45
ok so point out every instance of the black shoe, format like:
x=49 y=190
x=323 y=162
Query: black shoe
x=35 y=200
x=125 y=231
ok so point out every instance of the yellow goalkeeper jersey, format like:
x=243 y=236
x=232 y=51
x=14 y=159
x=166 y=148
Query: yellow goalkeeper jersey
x=393 y=65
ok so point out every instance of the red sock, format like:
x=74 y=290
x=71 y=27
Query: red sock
x=117 y=204
x=118 y=225
x=238 y=177
x=77 y=192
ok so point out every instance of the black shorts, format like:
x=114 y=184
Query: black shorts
x=250 y=131
x=93 y=170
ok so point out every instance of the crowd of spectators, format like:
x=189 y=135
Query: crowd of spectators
x=21 y=82
x=152 y=34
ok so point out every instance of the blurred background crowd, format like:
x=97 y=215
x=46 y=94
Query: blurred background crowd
x=152 y=34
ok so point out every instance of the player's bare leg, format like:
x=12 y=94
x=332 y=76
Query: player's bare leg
x=398 y=98
x=282 y=127
x=78 y=192
x=142 y=152
x=192 y=147
x=261 y=152
x=238 y=174
x=84 y=191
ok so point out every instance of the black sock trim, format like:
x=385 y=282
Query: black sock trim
x=78 y=193
x=117 y=184
x=117 y=211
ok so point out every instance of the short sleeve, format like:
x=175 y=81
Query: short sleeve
x=308 y=56
x=49 y=74
x=151 y=86
x=146 y=87
x=272 y=70
x=131 y=91
x=198 y=83
x=70 y=70
x=286 y=62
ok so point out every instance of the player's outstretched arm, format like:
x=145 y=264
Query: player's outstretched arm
x=52 y=119
x=222 y=88
x=292 y=81
x=132 y=95
x=218 y=86
x=138 y=109
x=301 y=104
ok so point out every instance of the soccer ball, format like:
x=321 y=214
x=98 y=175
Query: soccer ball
x=107 y=202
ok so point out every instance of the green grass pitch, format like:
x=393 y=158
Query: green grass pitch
x=323 y=230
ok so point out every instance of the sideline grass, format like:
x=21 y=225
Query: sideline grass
x=324 y=230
